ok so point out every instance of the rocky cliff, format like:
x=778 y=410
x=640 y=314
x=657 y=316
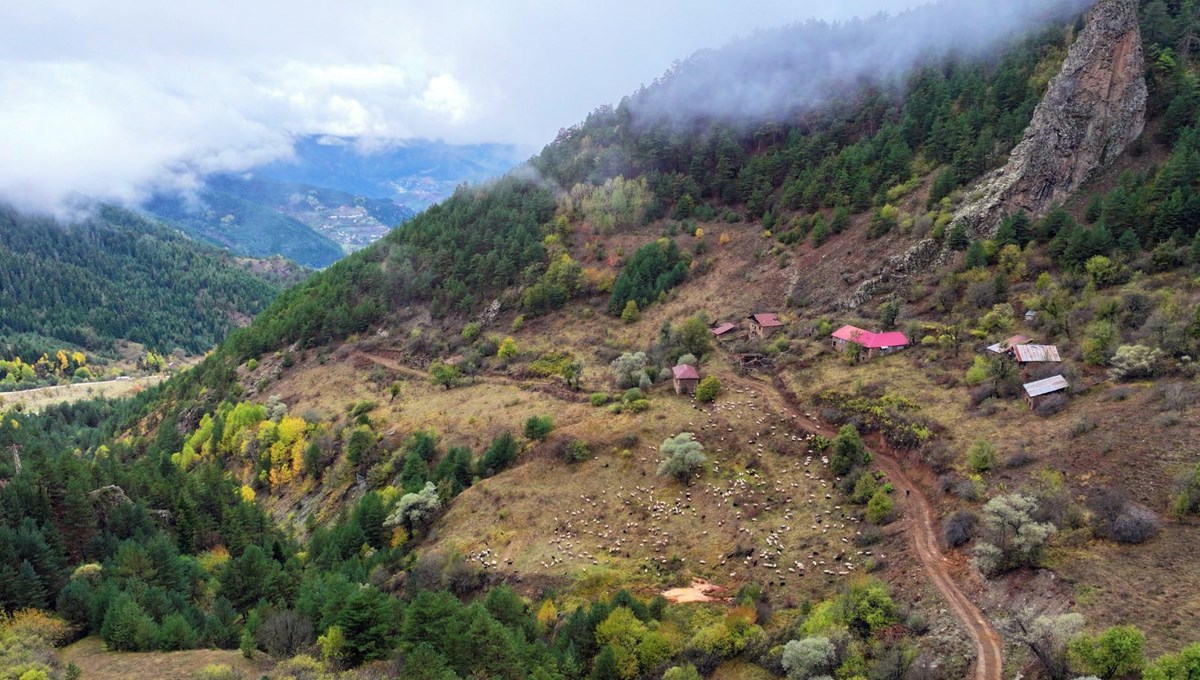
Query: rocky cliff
x=1093 y=109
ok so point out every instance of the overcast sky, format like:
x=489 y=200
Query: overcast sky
x=112 y=99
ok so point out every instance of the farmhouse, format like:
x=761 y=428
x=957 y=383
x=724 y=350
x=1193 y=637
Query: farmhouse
x=724 y=331
x=762 y=325
x=1036 y=391
x=1032 y=354
x=874 y=343
x=686 y=379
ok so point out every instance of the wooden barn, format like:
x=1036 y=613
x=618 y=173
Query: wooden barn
x=686 y=379
x=1038 y=390
x=763 y=325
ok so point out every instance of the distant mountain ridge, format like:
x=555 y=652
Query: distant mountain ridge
x=417 y=173
x=331 y=199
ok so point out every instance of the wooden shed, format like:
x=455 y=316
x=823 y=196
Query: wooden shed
x=1006 y=345
x=725 y=331
x=686 y=379
x=1033 y=354
x=1036 y=391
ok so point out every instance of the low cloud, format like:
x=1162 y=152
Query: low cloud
x=113 y=101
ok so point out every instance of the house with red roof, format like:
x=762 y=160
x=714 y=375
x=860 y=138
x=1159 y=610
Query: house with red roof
x=762 y=325
x=873 y=342
x=686 y=379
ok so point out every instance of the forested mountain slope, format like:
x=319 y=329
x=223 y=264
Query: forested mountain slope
x=117 y=276
x=460 y=452
x=261 y=217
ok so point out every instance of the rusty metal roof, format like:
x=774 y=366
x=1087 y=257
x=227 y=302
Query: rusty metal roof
x=1036 y=353
x=1040 y=387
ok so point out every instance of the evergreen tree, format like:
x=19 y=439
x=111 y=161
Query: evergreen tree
x=27 y=588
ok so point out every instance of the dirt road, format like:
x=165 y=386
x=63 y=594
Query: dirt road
x=989 y=648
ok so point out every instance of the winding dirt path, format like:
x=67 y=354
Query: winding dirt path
x=989 y=647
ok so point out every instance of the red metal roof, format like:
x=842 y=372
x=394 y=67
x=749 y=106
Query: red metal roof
x=723 y=329
x=766 y=320
x=685 y=372
x=871 y=340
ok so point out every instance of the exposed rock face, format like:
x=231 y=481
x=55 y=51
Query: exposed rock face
x=1092 y=110
x=921 y=257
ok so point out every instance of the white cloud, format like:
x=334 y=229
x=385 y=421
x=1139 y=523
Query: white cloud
x=112 y=100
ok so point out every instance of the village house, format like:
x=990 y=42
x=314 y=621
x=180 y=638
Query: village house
x=686 y=379
x=874 y=343
x=762 y=325
x=725 y=331
x=1037 y=391
x=1035 y=354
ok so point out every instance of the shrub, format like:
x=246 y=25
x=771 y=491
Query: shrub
x=627 y=369
x=1116 y=518
x=598 y=399
x=630 y=314
x=981 y=456
x=1136 y=524
x=1187 y=493
x=576 y=451
x=959 y=528
x=848 y=451
x=218 y=671
x=708 y=389
x=1051 y=404
x=1019 y=459
x=1014 y=537
x=415 y=511
x=1116 y=652
x=508 y=349
x=1134 y=361
x=284 y=633
x=633 y=394
x=803 y=659
x=880 y=508
x=683 y=456
x=538 y=427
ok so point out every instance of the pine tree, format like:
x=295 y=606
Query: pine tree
x=958 y=239
x=28 y=590
x=1128 y=243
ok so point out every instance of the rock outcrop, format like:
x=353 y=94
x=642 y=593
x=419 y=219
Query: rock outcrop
x=1093 y=109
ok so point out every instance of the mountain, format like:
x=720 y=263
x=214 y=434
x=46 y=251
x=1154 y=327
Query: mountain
x=117 y=276
x=416 y=173
x=261 y=217
x=332 y=198
x=465 y=450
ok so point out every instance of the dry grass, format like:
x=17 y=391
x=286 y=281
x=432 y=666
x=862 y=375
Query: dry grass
x=612 y=521
x=1153 y=585
x=97 y=664
x=37 y=399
